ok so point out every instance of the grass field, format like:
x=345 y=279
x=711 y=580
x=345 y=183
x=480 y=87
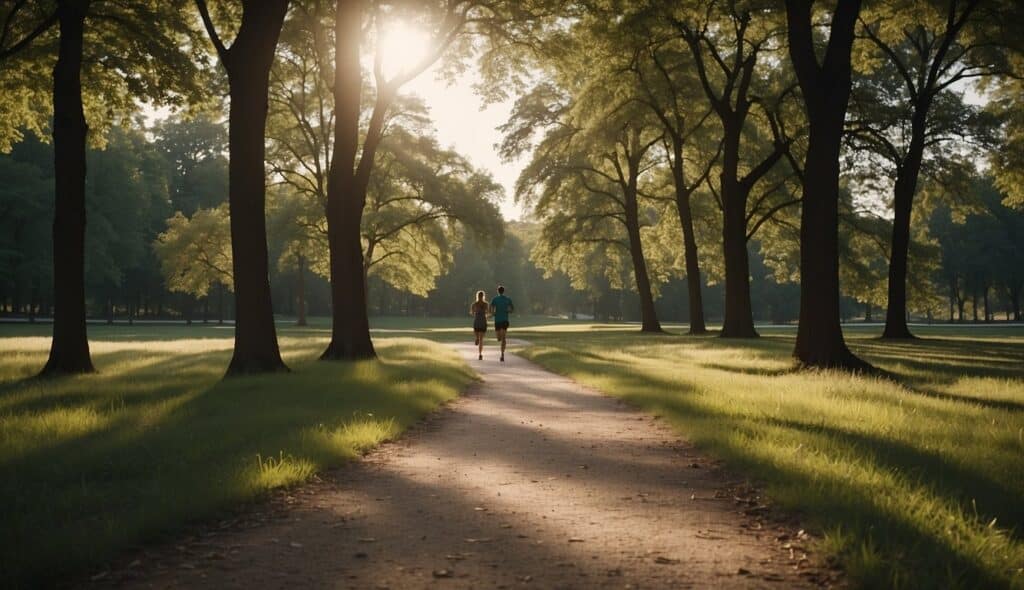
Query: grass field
x=90 y=465
x=915 y=481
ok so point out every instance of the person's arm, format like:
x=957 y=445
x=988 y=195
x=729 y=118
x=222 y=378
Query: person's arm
x=511 y=306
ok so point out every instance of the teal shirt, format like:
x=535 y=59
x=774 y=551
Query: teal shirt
x=502 y=305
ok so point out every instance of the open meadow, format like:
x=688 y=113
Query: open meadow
x=96 y=463
x=912 y=479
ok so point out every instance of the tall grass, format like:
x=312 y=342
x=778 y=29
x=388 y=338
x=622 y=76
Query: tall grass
x=916 y=481
x=92 y=464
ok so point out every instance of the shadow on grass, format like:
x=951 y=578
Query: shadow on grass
x=93 y=464
x=883 y=542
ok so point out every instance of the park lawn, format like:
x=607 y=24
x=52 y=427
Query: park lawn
x=94 y=464
x=915 y=481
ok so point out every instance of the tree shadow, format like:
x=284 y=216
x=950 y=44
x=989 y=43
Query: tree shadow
x=831 y=503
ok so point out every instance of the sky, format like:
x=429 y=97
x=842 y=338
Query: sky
x=463 y=125
x=460 y=120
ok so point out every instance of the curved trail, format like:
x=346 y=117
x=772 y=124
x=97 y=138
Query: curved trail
x=530 y=480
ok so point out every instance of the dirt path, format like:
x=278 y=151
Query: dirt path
x=528 y=481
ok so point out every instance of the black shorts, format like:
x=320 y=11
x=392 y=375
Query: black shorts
x=480 y=327
x=501 y=325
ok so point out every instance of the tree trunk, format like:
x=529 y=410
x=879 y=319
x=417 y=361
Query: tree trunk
x=648 y=315
x=1015 y=303
x=69 y=350
x=248 y=65
x=826 y=91
x=984 y=295
x=693 y=286
x=974 y=305
x=739 y=314
x=346 y=196
x=903 y=203
x=220 y=303
x=300 y=292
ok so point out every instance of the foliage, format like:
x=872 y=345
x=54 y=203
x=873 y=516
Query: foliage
x=195 y=253
x=149 y=50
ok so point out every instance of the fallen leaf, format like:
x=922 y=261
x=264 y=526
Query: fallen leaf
x=442 y=573
x=665 y=560
x=575 y=540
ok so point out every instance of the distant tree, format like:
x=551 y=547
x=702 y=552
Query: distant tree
x=195 y=253
x=909 y=113
x=586 y=176
x=194 y=151
x=730 y=44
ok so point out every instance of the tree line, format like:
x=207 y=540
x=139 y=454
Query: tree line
x=817 y=132
x=665 y=139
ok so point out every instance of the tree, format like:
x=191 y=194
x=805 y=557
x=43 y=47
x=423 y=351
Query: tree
x=146 y=39
x=247 y=62
x=195 y=253
x=197 y=168
x=586 y=175
x=452 y=24
x=727 y=41
x=417 y=190
x=666 y=85
x=910 y=111
x=825 y=87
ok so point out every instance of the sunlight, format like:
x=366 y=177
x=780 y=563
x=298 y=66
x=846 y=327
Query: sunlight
x=402 y=46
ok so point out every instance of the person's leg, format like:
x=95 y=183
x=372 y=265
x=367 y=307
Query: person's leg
x=502 y=337
x=480 y=345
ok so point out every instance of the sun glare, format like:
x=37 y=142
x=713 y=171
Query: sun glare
x=402 y=46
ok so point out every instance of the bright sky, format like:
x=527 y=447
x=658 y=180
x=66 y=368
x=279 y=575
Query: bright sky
x=460 y=121
x=463 y=125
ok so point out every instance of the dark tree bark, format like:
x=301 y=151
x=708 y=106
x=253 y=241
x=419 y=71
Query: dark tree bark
x=693 y=280
x=300 y=292
x=826 y=91
x=220 y=303
x=648 y=315
x=69 y=350
x=922 y=89
x=731 y=103
x=678 y=129
x=346 y=193
x=248 y=63
x=739 y=312
x=903 y=203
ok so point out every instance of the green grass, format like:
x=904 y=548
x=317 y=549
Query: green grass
x=91 y=465
x=914 y=482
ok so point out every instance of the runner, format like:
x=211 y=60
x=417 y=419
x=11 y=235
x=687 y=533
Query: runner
x=500 y=308
x=479 y=312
